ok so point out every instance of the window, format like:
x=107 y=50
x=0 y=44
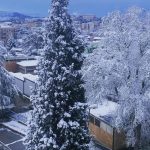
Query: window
x=91 y=119
x=97 y=122
x=106 y=128
x=109 y=129
x=103 y=126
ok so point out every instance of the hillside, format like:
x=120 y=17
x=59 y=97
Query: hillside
x=7 y=16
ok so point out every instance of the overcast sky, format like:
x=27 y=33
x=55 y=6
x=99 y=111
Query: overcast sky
x=97 y=7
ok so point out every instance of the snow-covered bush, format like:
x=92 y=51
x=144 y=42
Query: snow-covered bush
x=7 y=91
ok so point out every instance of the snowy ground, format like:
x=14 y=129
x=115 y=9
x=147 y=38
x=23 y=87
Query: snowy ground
x=16 y=126
x=21 y=117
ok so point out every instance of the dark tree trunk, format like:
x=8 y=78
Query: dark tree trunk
x=137 y=134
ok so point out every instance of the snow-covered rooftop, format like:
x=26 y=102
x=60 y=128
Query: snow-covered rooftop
x=22 y=57
x=28 y=63
x=22 y=76
x=5 y=26
x=106 y=111
x=17 y=49
x=96 y=38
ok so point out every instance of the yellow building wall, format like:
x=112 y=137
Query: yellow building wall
x=101 y=136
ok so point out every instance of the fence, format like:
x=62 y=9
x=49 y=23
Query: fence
x=25 y=86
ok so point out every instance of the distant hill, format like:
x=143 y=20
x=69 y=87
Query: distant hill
x=9 y=16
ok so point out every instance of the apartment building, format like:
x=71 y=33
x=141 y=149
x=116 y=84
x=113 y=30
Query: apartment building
x=6 y=32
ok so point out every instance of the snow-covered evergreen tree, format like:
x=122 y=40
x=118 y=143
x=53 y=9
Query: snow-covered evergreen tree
x=7 y=91
x=119 y=70
x=59 y=105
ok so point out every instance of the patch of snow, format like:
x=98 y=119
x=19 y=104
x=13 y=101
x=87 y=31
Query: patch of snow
x=17 y=75
x=22 y=76
x=6 y=26
x=16 y=126
x=105 y=109
x=31 y=77
x=22 y=117
x=6 y=103
x=28 y=63
x=62 y=124
x=17 y=49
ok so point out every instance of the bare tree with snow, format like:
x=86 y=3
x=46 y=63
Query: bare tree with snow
x=119 y=70
x=7 y=92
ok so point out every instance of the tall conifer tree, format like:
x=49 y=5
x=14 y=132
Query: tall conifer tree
x=59 y=106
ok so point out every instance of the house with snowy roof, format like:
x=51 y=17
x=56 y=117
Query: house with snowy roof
x=27 y=66
x=102 y=126
x=10 y=62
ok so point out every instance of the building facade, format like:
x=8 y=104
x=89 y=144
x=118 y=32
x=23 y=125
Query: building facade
x=6 y=32
x=102 y=129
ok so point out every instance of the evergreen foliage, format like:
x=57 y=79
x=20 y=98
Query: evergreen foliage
x=59 y=106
